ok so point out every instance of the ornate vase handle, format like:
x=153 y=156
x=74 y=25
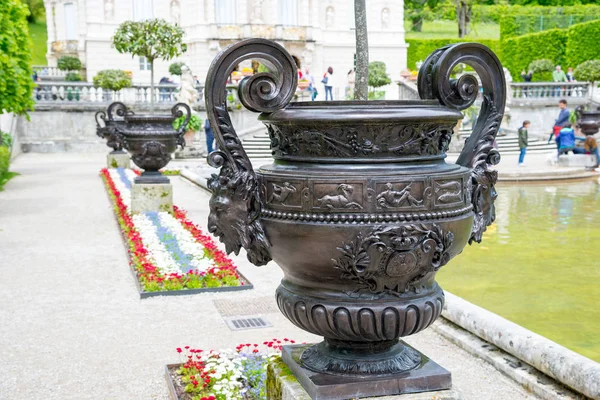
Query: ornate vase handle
x=479 y=153
x=178 y=111
x=235 y=204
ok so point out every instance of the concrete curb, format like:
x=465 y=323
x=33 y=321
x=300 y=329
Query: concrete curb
x=570 y=368
x=194 y=178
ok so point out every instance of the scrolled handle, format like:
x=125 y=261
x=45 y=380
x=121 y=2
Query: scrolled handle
x=179 y=110
x=479 y=154
x=235 y=203
x=119 y=109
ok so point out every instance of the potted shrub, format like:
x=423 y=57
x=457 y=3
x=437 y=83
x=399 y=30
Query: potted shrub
x=72 y=65
x=588 y=71
x=111 y=81
x=153 y=39
x=193 y=126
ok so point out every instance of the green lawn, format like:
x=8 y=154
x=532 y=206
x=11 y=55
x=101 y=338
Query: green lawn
x=39 y=36
x=449 y=29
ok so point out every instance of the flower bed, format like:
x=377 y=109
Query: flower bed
x=168 y=252
x=224 y=375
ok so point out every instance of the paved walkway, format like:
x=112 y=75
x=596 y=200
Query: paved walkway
x=72 y=325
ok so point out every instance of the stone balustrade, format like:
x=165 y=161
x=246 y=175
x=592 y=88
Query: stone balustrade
x=550 y=92
x=84 y=92
x=46 y=72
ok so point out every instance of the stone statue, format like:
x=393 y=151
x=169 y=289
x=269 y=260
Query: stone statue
x=109 y=9
x=385 y=18
x=175 y=12
x=187 y=92
x=256 y=17
x=508 y=79
x=329 y=17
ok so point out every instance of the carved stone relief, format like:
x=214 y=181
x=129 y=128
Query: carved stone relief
x=341 y=197
x=448 y=192
x=400 y=195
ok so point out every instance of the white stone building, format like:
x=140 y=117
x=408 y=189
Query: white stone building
x=319 y=33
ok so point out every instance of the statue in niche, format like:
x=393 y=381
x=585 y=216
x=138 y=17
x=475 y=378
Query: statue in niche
x=329 y=17
x=385 y=18
x=257 y=15
x=175 y=12
x=109 y=9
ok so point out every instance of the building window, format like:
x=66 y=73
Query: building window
x=288 y=12
x=142 y=10
x=225 y=11
x=70 y=22
x=144 y=64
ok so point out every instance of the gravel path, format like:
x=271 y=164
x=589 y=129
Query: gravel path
x=72 y=325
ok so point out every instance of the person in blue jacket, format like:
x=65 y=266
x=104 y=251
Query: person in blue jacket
x=565 y=141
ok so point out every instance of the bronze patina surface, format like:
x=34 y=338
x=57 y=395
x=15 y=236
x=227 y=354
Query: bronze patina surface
x=359 y=208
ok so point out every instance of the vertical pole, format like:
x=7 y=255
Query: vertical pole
x=361 y=85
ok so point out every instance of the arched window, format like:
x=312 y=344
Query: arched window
x=287 y=11
x=225 y=11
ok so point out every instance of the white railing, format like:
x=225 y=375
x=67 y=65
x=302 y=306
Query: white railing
x=84 y=92
x=545 y=90
x=44 y=71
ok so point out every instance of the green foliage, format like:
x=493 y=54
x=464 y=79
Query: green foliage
x=518 y=52
x=39 y=39
x=195 y=123
x=37 y=11
x=521 y=20
x=5 y=174
x=378 y=75
x=419 y=49
x=73 y=77
x=583 y=43
x=16 y=84
x=588 y=71
x=68 y=63
x=175 y=68
x=542 y=70
x=112 y=79
x=153 y=39
x=5 y=139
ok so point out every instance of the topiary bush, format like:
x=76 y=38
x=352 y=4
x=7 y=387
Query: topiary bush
x=73 y=77
x=68 y=63
x=542 y=70
x=588 y=71
x=518 y=52
x=583 y=43
x=175 y=68
x=112 y=79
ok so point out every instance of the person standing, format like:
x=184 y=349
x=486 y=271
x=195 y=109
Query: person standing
x=328 y=83
x=311 y=84
x=558 y=76
x=527 y=76
x=210 y=137
x=523 y=136
x=560 y=122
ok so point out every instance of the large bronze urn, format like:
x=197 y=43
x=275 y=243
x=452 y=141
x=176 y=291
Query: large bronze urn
x=149 y=139
x=588 y=120
x=358 y=208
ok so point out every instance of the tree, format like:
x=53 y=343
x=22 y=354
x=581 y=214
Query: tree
x=378 y=76
x=153 y=39
x=418 y=11
x=361 y=89
x=463 y=14
x=175 y=68
x=68 y=63
x=16 y=83
x=37 y=11
x=112 y=79
x=588 y=71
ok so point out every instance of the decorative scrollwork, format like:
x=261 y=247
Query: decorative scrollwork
x=119 y=109
x=479 y=153
x=235 y=203
x=394 y=259
x=179 y=110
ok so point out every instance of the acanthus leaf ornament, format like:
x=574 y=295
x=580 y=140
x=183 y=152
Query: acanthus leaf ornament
x=479 y=153
x=235 y=206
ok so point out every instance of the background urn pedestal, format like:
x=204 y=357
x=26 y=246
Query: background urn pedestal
x=428 y=380
x=118 y=159
x=151 y=197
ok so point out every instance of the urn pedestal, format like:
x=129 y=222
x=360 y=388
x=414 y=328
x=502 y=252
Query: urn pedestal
x=358 y=208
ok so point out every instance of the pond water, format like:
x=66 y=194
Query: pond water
x=539 y=264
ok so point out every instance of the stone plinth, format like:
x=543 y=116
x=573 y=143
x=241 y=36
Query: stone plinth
x=298 y=383
x=577 y=160
x=156 y=197
x=117 y=160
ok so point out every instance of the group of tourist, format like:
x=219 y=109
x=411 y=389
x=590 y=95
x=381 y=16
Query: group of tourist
x=564 y=135
x=558 y=76
x=330 y=82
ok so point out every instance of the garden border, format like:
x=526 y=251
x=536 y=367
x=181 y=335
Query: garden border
x=144 y=295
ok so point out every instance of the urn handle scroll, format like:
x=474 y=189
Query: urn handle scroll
x=235 y=204
x=479 y=154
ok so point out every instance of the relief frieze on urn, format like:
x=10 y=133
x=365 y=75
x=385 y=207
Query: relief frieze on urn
x=358 y=208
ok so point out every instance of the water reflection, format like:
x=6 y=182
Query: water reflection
x=539 y=265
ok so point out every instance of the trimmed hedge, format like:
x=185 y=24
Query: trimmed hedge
x=420 y=49
x=583 y=43
x=521 y=20
x=519 y=51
